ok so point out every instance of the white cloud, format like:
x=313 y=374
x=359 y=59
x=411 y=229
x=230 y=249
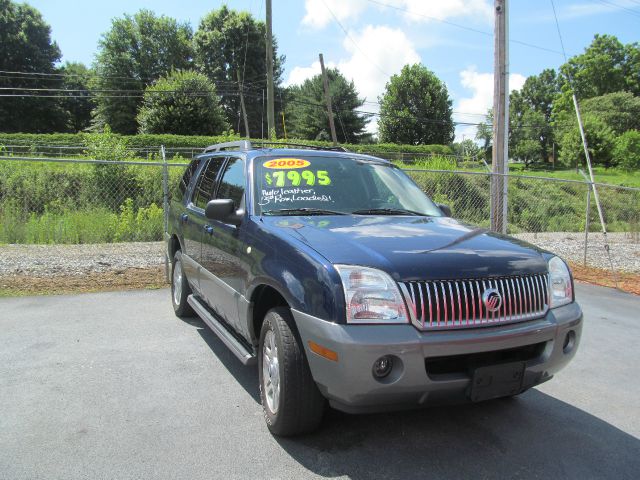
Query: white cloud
x=481 y=99
x=318 y=12
x=300 y=74
x=425 y=10
x=381 y=51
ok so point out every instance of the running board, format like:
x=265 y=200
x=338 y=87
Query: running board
x=239 y=350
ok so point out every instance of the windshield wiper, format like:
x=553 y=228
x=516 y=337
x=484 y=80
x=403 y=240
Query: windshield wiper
x=302 y=211
x=388 y=211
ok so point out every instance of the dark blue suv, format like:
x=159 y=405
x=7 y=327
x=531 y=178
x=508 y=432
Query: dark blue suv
x=347 y=283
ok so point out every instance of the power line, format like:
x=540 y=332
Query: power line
x=463 y=27
x=60 y=76
x=618 y=6
x=564 y=53
x=280 y=101
x=353 y=41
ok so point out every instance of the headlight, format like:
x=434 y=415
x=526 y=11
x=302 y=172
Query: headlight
x=371 y=296
x=560 y=285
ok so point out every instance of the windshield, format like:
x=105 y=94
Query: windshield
x=335 y=185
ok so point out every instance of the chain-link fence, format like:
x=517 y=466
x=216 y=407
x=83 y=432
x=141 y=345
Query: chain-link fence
x=556 y=214
x=48 y=196
x=71 y=201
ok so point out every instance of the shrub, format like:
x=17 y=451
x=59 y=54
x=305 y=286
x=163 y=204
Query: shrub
x=183 y=102
x=626 y=152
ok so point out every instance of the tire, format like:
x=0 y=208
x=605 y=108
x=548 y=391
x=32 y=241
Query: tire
x=180 y=289
x=298 y=406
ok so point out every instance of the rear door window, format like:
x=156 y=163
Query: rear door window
x=205 y=188
x=187 y=176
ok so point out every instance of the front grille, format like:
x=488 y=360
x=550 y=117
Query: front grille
x=449 y=304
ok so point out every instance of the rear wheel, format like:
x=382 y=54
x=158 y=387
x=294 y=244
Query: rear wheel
x=180 y=289
x=291 y=401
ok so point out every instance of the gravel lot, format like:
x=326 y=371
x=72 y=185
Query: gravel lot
x=114 y=386
x=624 y=248
x=51 y=260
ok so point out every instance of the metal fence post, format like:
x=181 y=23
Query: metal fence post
x=586 y=225
x=165 y=205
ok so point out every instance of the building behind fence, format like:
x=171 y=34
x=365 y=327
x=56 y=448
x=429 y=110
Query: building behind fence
x=48 y=196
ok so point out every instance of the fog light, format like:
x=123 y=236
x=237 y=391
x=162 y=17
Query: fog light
x=382 y=367
x=569 y=342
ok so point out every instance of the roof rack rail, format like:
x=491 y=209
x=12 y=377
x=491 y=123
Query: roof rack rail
x=247 y=145
x=335 y=148
x=239 y=145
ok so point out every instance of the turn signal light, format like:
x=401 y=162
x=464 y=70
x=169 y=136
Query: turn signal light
x=323 y=351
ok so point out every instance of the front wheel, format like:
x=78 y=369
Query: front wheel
x=291 y=401
x=180 y=289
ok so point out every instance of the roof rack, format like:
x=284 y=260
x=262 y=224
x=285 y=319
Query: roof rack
x=335 y=148
x=240 y=145
x=247 y=145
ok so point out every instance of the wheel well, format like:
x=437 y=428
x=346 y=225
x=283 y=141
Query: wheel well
x=174 y=246
x=264 y=298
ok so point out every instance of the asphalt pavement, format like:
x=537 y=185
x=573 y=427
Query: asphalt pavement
x=113 y=385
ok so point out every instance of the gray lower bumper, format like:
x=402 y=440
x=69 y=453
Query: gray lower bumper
x=349 y=383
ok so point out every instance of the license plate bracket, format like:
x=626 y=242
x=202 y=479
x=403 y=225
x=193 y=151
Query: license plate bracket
x=494 y=381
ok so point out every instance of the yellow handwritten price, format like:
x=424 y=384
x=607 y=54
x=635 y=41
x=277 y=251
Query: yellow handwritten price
x=295 y=179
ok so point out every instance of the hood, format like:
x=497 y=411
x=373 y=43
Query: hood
x=412 y=248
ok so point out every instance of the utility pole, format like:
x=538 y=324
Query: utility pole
x=500 y=157
x=271 y=122
x=243 y=108
x=327 y=97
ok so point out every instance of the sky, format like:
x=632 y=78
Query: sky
x=370 y=40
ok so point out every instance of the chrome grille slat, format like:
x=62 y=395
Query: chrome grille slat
x=486 y=310
x=446 y=304
x=453 y=307
x=435 y=289
x=421 y=302
x=430 y=307
x=528 y=288
x=459 y=304
x=506 y=282
x=466 y=302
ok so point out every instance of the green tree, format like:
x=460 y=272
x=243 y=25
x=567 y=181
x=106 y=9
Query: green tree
x=530 y=114
x=306 y=113
x=468 y=150
x=229 y=44
x=484 y=133
x=79 y=104
x=619 y=110
x=182 y=103
x=600 y=139
x=606 y=66
x=416 y=108
x=136 y=51
x=26 y=46
x=614 y=112
x=626 y=152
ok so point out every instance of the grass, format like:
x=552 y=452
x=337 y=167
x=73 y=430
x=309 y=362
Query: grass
x=611 y=176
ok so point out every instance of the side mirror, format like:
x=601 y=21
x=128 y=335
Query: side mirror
x=224 y=210
x=446 y=209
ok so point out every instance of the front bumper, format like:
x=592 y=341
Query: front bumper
x=350 y=385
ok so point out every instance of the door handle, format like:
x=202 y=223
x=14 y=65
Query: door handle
x=208 y=229
x=184 y=217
